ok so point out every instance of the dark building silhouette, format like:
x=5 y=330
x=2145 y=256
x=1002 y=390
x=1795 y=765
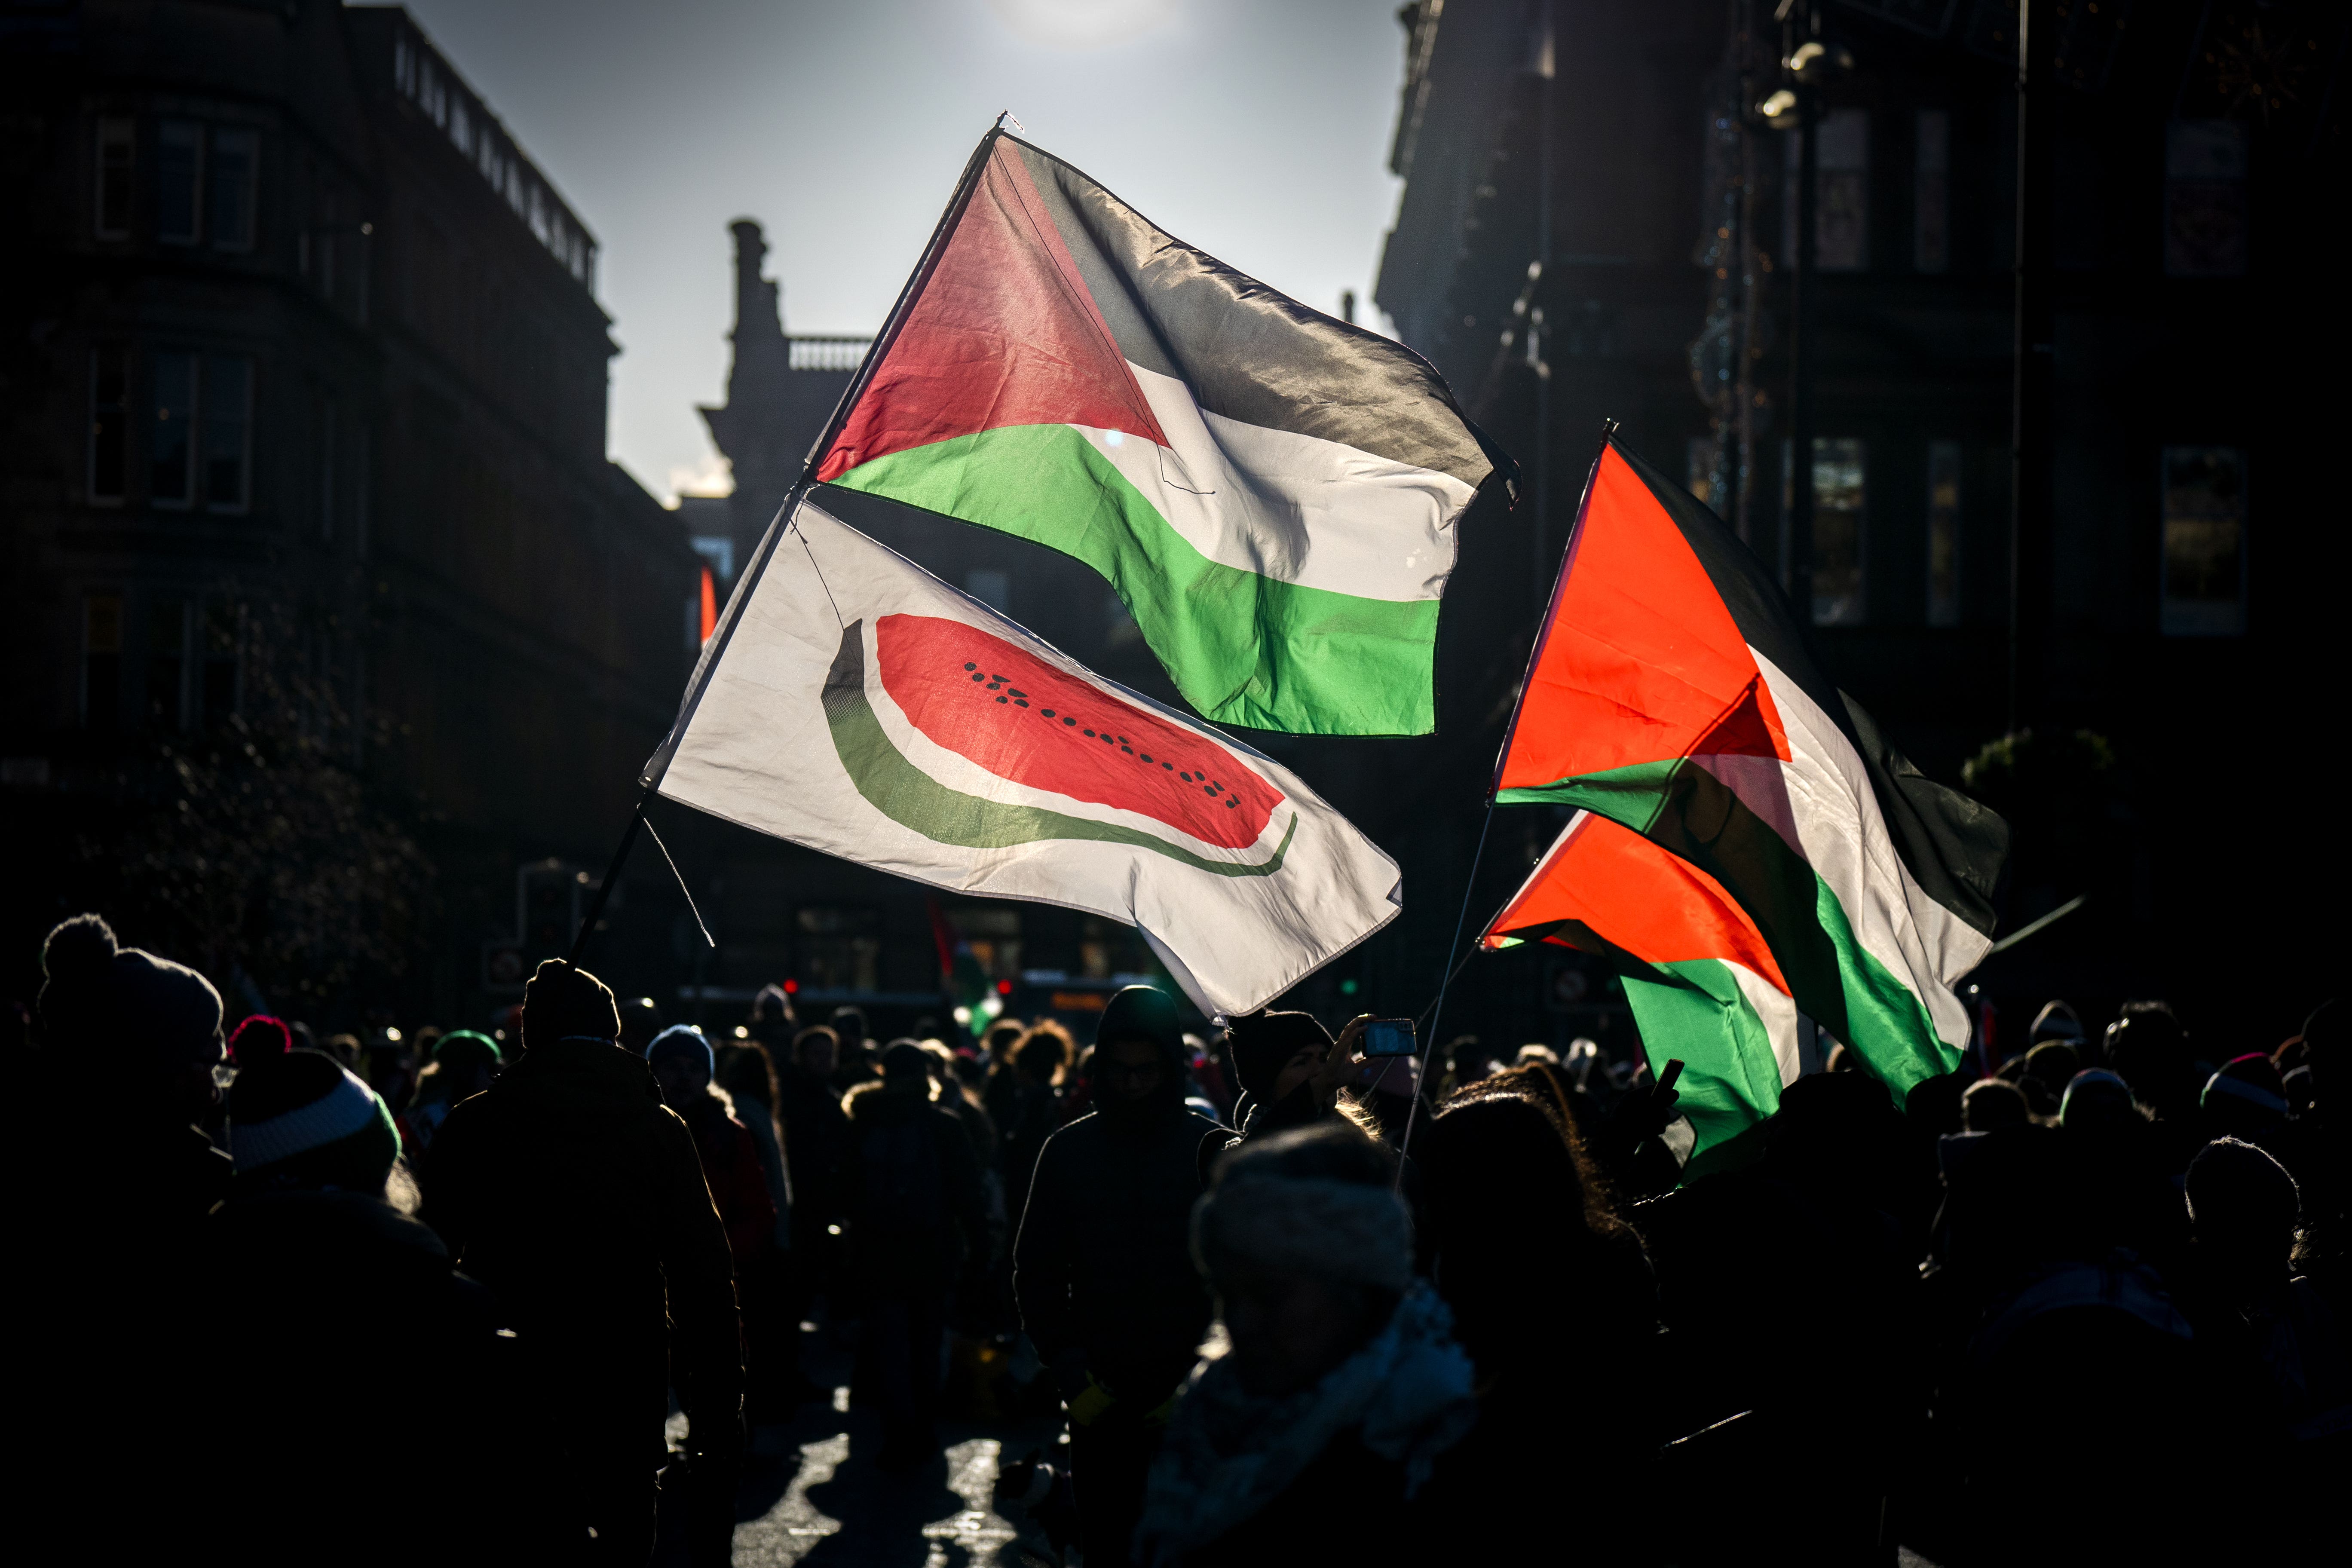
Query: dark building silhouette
x=305 y=362
x=1598 y=220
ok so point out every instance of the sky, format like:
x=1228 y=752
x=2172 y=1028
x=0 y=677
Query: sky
x=1257 y=130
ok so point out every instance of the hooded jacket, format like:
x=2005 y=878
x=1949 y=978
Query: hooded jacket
x=1103 y=1267
x=571 y=1190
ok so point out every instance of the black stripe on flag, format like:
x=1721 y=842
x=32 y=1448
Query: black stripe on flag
x=1249 y=352
x=1953 y=846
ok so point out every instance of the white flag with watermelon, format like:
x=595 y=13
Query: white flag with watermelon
x=861 y=707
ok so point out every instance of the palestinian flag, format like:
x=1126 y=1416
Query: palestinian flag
x=859 y=706
x=1700 y=977
x=1271 y=492
x=1670 y=691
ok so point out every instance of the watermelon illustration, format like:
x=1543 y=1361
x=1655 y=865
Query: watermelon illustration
x=1002 y=706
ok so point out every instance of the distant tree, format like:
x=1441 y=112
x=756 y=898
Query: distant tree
x=2063 y=794
x=258 y=846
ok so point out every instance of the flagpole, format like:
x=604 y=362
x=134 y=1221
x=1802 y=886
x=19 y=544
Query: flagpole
x=649 y=778
x=1437 y=1013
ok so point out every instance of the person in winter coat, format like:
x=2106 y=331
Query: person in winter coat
x=736 y=1164
x=464 y=1063
x=683 y=1063
x=1034 y=1075
x=916 y=1210
x=1311 y=1439
x=573 y=1192
x=1518 y=1221
x=117 y=1181
x=307 y=1245
x=1102 y=1267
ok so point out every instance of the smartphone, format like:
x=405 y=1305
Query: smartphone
x=1666 y=1078
x=1389 y=1038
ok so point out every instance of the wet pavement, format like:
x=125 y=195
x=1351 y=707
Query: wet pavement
x=811 y=1492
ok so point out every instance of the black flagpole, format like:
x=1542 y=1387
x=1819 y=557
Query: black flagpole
x=650 y=778
x=1535 y=653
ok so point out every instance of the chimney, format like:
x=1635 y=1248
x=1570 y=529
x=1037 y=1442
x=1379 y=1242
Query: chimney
x=757 y=309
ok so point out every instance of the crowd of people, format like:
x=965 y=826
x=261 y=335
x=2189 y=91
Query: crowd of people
x=437 y=1297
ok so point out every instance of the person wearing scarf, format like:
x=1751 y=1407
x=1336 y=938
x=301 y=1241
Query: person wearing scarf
x=1324 y=1404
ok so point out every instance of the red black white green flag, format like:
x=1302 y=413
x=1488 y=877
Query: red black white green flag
x=1272 y=493
x=1670 y=691
x=1700 y=978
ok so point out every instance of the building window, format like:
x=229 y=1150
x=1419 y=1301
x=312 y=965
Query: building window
x=101 y=661
x=993 y=933
x=2205 y=199
x=227 y=432
x=217 y=693
x=117 y=147
x=110 y=423
x=171 y=478
x=2204 y=542
x=1943 y=533
x=1931 y=192
x=1838 y=503
x=1842 y=227
x=234 y=181
x=991 y=587
x=167 y=649
x=179 y=181
x=840 y=948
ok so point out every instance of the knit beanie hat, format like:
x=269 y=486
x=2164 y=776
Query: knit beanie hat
x=2237 y=1190
x=906 y=1059
x=462 y=1046
x=96 y=993
x=2092 y=1087
x=1141 y=1012
x=1262 y=1043
x=305 y=1112
x=1264 y=1210
x=258 y=1039
x=687 y=1041
x=2252 y=1079
x=560 y=1003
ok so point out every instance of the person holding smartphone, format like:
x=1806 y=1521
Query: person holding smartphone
x=1293 y=1073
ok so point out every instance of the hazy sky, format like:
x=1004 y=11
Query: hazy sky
x=1255 y=129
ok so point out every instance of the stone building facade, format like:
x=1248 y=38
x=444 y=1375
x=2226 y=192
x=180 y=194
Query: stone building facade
x=305 y=357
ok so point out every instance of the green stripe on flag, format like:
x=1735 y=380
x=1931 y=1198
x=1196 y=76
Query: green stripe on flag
x=1243 y=649
x=1696 y=1011
x=1684 y=808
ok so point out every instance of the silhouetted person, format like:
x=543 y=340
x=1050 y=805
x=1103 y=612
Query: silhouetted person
x=573 y=1192
x=1316 y=1435
x=308 y=1246
x=1102 y=1268
x=1519 y=1228
x=114 y=1181
x=915 y=1210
